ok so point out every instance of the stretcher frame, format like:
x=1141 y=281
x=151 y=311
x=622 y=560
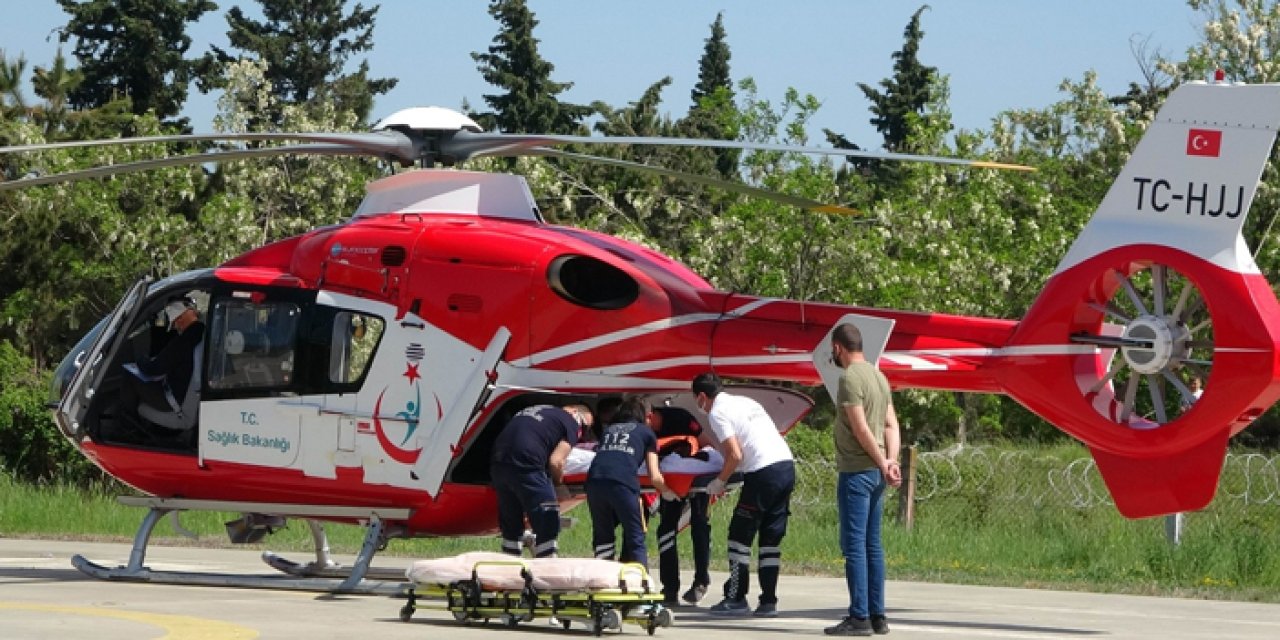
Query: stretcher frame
x=470 y=601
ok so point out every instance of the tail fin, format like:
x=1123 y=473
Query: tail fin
x=1159 y=289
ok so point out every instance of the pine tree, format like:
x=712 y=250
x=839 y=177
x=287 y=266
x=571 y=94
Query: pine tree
x=55 y=84
x=712 y=112
x=133 y=49
x=513 y=63
x=713 y=68
x=907 y=92
x=306 y=45
x=12 y=102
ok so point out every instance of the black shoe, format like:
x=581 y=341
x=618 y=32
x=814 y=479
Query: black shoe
x=670 y=602
x=880 y=625
x=766 y=610
x=850 y=626
x=729 y=607
x=695 y=593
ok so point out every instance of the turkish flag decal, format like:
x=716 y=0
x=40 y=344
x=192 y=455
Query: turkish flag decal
x=1204 y=142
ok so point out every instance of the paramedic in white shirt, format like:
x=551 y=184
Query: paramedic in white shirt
x=751 y=444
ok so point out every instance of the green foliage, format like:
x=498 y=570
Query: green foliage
x=762 y=247
x=1002 y=520
x=265 y=201
x=305 y=45
x=72 y=248
x=906 y=93
x=12 y=102
x=712 y=113
x=31 y=448
x=55 y=85
x=513 y=64
x=134 y=49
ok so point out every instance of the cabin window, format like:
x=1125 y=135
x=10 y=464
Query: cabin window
x=591 y=283
x=253 y=343
x=336 y=349
x=354 y=338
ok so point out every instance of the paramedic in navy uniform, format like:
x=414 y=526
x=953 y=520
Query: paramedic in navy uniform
x=526 y=465
x=613 y=490
x=750 y=443
x=678 y=434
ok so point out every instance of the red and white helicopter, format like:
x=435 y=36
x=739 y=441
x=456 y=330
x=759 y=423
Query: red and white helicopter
x=359 y=373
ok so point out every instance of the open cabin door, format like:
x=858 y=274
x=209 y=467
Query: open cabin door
x=92 y=364
x=441 y=445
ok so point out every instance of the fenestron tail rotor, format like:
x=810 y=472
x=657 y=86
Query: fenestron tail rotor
x=1162 y=339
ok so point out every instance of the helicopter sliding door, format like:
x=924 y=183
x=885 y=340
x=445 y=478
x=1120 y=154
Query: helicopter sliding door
x=92 y=365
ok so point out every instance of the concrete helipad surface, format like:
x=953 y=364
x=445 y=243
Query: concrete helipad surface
x=42 y=596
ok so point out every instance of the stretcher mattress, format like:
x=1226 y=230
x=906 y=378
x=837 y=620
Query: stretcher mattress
x=501 y=572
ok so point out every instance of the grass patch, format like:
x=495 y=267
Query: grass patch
x=998 y=517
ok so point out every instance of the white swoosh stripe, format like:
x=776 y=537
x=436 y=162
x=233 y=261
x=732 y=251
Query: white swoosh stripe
x=914 y=359
x=906 y=360
x=635 y=332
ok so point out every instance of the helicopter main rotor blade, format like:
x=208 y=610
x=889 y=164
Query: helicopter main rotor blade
x=794 y=201
x=383 y=143
x=466 y=144
x=146 y=165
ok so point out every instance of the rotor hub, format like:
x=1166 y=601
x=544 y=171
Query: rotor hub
x=1166 y=343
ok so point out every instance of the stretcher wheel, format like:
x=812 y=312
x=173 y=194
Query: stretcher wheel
x=664 y=618
x=406 y=612
x=611 y=620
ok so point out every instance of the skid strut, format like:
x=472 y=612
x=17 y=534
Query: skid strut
x=321 y=575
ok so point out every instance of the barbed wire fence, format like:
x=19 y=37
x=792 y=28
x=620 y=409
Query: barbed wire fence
x=1023 y=477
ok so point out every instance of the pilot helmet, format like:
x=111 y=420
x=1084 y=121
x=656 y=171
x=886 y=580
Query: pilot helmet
x=177 y=307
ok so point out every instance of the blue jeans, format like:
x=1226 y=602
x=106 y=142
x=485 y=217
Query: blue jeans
x=860 y=498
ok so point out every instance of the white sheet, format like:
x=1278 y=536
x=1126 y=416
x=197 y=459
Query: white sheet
x=554 y=574
x=579 y=462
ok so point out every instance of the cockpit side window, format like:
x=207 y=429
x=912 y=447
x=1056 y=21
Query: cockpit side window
x=253 y=343
x=354 y=338
x=337 y=347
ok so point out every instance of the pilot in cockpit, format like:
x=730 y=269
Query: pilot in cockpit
x=158 y=387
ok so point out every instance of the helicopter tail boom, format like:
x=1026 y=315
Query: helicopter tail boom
x=1163 y=293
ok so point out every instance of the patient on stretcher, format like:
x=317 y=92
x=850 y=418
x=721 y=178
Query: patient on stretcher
x=707 y=461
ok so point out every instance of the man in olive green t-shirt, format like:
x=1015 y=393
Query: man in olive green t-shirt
x=867 y=439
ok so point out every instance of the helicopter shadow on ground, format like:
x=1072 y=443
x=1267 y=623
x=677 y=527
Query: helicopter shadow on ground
x=706 y=620
x=39 y=575
x=540 y=625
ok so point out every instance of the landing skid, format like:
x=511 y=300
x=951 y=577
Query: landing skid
x=322 y=575
x=324 y=566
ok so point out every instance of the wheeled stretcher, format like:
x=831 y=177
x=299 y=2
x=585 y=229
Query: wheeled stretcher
x=480 y=586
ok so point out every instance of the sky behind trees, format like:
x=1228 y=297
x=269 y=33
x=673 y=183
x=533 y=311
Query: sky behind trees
x=999 y=54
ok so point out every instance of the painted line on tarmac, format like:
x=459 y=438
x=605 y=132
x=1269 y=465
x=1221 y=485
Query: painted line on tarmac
x=175 y=627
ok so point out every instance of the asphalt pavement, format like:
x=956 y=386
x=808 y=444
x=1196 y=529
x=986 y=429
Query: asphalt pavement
x=42 y=596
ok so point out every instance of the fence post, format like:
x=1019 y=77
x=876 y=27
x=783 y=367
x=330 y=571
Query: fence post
x=1173 y=528
x=907 y=494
